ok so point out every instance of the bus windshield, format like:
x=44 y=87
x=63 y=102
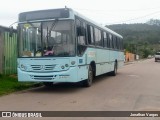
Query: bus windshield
x=47 y=39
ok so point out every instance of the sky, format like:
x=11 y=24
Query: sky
x=104 y=12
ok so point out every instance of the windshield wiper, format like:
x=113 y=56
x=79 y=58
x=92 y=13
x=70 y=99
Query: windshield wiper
x=52 y=28
x=49 y=31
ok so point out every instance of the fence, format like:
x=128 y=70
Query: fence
x=8 y=51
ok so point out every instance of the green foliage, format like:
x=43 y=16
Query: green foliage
x=154 y=22
x=142 y=39
x=10 y=84
x=146 y=52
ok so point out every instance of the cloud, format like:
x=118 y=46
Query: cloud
x=101 y=11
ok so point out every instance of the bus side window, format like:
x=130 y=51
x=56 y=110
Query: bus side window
x=81 y=32
x=98 y=37
x=118 y=43
x=121 y=44
x=108 y=40
x=114 y=42
x=105 y=39
x=102 y=39
x=81 y=37
x=90 y=32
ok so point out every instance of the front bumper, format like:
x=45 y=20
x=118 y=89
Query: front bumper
x=62 y=76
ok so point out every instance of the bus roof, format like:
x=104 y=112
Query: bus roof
x=61 y=13
x=94 y=23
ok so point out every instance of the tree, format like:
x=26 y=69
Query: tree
x=142 y=39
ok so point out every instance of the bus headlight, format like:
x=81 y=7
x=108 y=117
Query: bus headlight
x=23 y=67
x=66 y=65
x=62 y=67
x=73 y=63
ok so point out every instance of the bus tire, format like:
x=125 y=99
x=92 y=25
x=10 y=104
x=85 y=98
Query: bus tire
x=114 y=72
x=48 y=84
x=88 y=82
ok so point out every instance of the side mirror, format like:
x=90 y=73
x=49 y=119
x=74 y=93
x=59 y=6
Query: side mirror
x=11 y=31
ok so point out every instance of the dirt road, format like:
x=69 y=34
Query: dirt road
x=136 y=87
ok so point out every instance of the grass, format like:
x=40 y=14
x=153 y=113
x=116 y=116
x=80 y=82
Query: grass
x=9 y=84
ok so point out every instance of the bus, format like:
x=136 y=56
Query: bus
x=61 y=45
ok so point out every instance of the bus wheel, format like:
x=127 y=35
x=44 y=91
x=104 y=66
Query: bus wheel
x=88 y=82
x=48 y=84
x=114 y=72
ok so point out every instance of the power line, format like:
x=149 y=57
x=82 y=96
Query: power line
x=132 y=19
x=141 y=17
x=131 y=10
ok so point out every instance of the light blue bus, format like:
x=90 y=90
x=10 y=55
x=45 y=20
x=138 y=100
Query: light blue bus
x=60 y=45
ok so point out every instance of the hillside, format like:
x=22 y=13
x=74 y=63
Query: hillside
x=142 y=39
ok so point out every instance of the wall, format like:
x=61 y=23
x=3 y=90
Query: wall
x=129 y=57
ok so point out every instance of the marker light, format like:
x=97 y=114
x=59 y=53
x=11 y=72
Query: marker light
x=73 y=62
x=66 y=65
x=23 y=67
x=62 y=67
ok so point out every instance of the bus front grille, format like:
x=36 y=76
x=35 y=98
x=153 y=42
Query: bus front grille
x=37 y=77
x=42 y=67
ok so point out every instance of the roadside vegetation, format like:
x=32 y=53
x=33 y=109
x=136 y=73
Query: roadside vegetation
x=142 y=39
x=9 y=84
